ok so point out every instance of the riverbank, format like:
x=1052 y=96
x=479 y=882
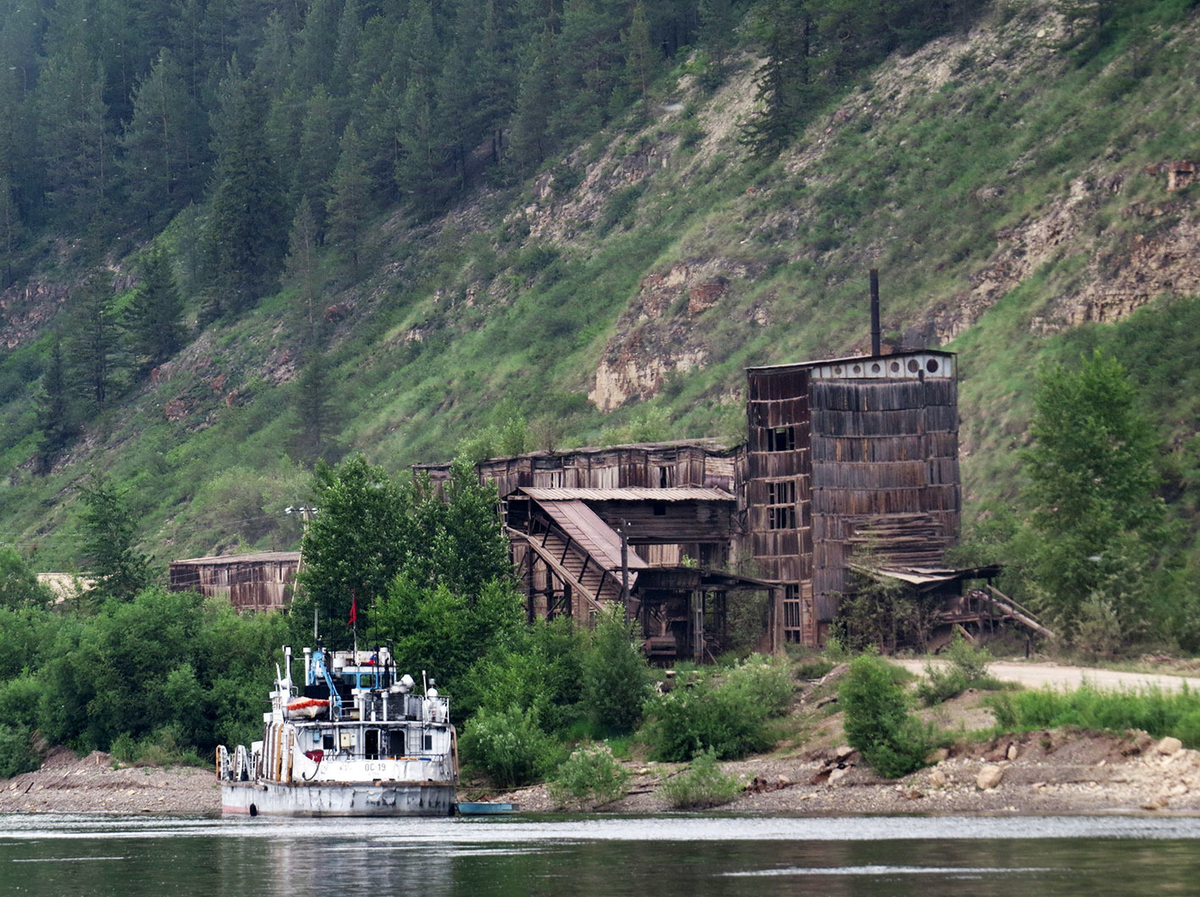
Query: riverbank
x=1039 y=773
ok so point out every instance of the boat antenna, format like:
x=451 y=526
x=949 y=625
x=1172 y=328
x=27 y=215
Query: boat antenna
x=316 y=638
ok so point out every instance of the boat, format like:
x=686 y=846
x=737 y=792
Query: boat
x=354 y=740
x=485 y=808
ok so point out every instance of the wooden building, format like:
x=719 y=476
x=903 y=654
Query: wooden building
x=848 y=462
x=261 y=581
x=648 y=527
x=852 y=458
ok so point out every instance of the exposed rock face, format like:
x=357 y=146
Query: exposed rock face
x=654 y=335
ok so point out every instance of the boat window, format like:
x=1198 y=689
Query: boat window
x=327 y=741
x=371 y=744
x=428 y=742
x=366 y=680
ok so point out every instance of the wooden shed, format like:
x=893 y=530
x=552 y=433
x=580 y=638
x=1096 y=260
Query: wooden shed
x=261 y=581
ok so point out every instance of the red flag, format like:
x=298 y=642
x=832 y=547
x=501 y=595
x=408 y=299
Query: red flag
x=353 y=609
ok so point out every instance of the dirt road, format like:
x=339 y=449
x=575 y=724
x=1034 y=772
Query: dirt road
x=1038 y=675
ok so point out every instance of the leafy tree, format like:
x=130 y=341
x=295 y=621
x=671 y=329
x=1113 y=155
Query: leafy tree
x=109 y=533
x=154 y=317
x=616 y=679
x=1093 y=498
x=19 y=586
x=354 y=547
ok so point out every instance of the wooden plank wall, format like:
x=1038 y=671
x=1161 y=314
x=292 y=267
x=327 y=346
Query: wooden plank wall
x=779 y=399
x=885 y=476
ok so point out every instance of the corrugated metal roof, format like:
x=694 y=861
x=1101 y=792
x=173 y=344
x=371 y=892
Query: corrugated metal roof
x=630 y=493
x=592 y=534
x=919 y=576
x=257 y=557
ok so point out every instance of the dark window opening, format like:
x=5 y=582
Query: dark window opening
x=371 y=744
x=428 y=740
x=782 y=439
x=781 y=505
x=660 y=509
x=396 y=745
x=792 y=613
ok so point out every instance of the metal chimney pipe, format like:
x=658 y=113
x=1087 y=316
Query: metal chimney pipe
x=876 y=348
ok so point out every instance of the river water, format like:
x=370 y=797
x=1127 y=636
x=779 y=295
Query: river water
x=648 y=857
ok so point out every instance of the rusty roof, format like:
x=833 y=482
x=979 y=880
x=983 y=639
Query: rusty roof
x=628 y=493
x=257 y=557
x=592 y=534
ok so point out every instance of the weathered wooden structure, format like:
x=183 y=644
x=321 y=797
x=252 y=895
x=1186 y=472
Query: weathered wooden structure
x=850 y=461
x=649 y=527
x=261 y=581
x=851 y=458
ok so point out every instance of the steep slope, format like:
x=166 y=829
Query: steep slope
x=1007 y=190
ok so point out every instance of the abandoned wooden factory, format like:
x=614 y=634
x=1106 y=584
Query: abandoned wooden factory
x=849 y=473
x=849 y=464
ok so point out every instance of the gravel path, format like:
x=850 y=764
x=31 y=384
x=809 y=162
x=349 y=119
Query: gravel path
x=1038 y=675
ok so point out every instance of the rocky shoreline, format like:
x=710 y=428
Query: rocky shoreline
x=1035 y=774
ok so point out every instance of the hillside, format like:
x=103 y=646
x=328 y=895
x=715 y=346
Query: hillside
x=1014 y=185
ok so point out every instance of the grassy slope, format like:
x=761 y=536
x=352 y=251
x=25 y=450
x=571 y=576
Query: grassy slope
x=900 y=174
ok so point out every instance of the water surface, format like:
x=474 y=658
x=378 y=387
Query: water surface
x=648 y=857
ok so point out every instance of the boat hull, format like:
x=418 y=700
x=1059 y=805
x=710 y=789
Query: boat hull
x=338 y=799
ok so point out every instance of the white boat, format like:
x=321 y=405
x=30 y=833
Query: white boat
x=355 y=740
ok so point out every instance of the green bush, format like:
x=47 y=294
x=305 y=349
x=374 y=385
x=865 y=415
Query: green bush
x=703 y=784
x=966 y=668
x=687 y=721
x=616 y=678
x=16 y=751
x=508 y=746
x=877 y=720
x=762 y=680
x=590 y=774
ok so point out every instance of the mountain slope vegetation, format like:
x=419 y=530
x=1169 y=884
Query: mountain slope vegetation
x=416 y=230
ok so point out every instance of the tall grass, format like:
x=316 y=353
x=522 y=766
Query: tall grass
x=1153 y=710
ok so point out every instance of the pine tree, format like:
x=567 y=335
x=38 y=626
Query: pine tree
x=532 y=136
x=11 y=229
x=162 y=166
x=784 y=81
x=317 y=415
x=301 y=262
x=74 y=142
x=640 y=55
x=351 y=200
x=54 y=418
x=247 y=229
x=94 y=339
x=154 y=318
x=319 y=153
x=717 y=36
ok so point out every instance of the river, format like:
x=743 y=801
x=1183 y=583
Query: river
x=648 y=857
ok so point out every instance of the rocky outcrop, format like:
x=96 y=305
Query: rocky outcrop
x=654 y=337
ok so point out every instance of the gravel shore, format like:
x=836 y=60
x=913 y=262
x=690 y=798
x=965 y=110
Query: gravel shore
x=1039 y=773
